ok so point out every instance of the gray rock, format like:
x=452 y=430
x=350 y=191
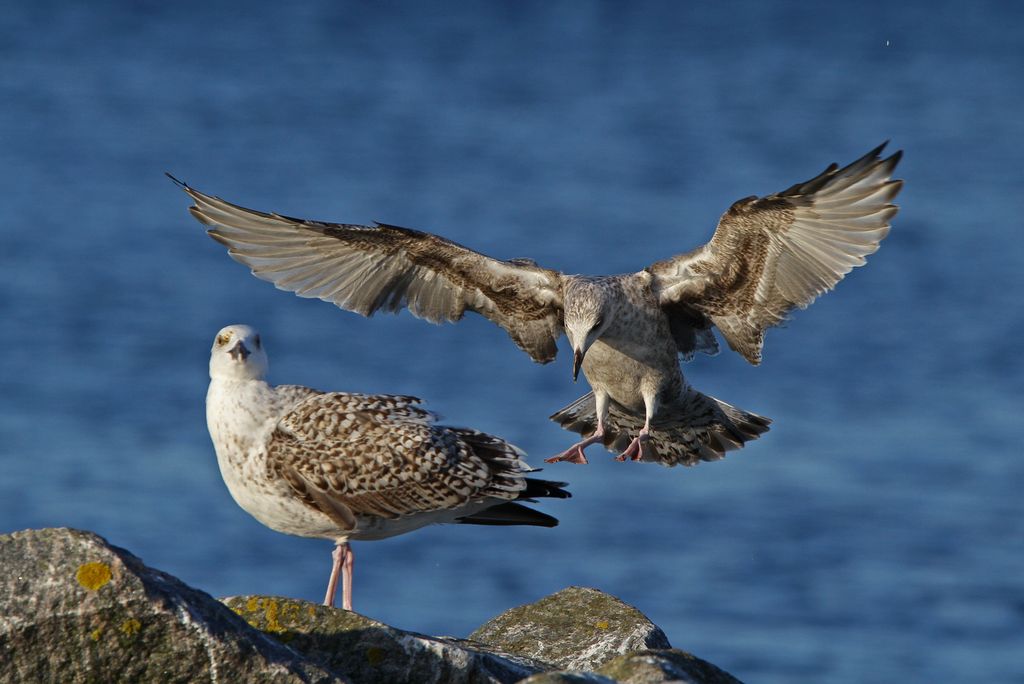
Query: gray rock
x=575 y=629
x=566 y=677
x=76 y=609
x=369 y=651
x=669 y=665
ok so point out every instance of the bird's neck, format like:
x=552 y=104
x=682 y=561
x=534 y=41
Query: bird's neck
x=238 y=411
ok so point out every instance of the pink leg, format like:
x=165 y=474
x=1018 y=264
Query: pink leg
x=574 y=454
x=332 y=584
x=637 y=449
x=343 y=561
x=346 y=578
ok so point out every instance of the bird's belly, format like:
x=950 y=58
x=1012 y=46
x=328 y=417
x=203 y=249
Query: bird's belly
x=272 y=504
x=370 y=528
x=626 y=377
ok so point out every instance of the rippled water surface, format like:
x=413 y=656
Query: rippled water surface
x=874 y=535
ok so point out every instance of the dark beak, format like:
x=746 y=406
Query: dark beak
x=577 y=361
x=239 y=352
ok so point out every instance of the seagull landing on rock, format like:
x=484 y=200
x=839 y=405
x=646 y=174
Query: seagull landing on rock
x=767 y=256
x=346 y=466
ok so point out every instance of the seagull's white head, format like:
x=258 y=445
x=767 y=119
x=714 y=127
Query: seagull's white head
x=238 y=354
x=586 y=316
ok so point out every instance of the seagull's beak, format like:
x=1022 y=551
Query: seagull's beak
x=239 y=352
x=577 y=361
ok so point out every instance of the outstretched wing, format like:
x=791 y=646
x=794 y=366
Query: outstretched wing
x=772 y=254
x=365 y=269
x=348 y=455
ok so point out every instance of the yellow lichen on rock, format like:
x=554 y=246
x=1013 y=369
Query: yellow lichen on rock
x=291 y=612
x=271 y=611
x=602 y=624
x=92 y=576
x=96 y=633
x=130 y=626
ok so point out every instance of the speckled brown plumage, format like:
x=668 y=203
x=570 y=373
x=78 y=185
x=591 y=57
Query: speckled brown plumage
x=383 y=456
x=767 y=257
x=345 y=466
x=772 y=254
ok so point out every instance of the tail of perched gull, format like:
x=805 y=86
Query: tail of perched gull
x=697 y=428
x=506 y=461
x=510 y=514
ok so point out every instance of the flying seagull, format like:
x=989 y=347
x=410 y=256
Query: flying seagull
x=767 y=256
x=347 y=466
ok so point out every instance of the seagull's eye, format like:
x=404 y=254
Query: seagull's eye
x=600 y=322
x=223 y=339
x=256 y=341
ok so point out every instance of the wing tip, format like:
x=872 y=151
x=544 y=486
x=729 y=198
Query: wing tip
x=889 y=163
x=198 y=215
x=180 y=183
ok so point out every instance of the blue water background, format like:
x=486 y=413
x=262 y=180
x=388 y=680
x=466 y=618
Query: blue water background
x=876 y=534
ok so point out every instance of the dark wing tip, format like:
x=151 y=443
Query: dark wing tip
x=509 y=513
x=891 y=161
x=537 y=489
x=181 y=184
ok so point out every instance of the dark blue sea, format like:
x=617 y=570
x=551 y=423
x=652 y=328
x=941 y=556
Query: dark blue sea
x=876 y=534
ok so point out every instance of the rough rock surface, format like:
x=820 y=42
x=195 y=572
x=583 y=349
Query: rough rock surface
x=575 y=629
x=667 y=665
x=566 y=677
x=369 y=651
x=76 y=609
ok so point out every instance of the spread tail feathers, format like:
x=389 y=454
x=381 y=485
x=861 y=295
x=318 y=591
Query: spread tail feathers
x=695 y=428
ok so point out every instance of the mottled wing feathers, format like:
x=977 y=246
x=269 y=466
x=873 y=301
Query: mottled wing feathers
x=289 y=395
x=772 y=254
x=382 y=456
x=315 y=497
x=367 y=269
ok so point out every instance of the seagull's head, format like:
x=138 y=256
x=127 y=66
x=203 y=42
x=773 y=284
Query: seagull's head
x=587 y=315
x=238 y=354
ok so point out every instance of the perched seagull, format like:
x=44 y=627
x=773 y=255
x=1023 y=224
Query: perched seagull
x=767 y=256
x=346 y=466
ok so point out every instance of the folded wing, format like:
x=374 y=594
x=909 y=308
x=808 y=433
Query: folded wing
x=350 y=455
x=772 y=254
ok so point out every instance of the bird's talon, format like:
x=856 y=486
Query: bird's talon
x=572 y=455
x=637 y=450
